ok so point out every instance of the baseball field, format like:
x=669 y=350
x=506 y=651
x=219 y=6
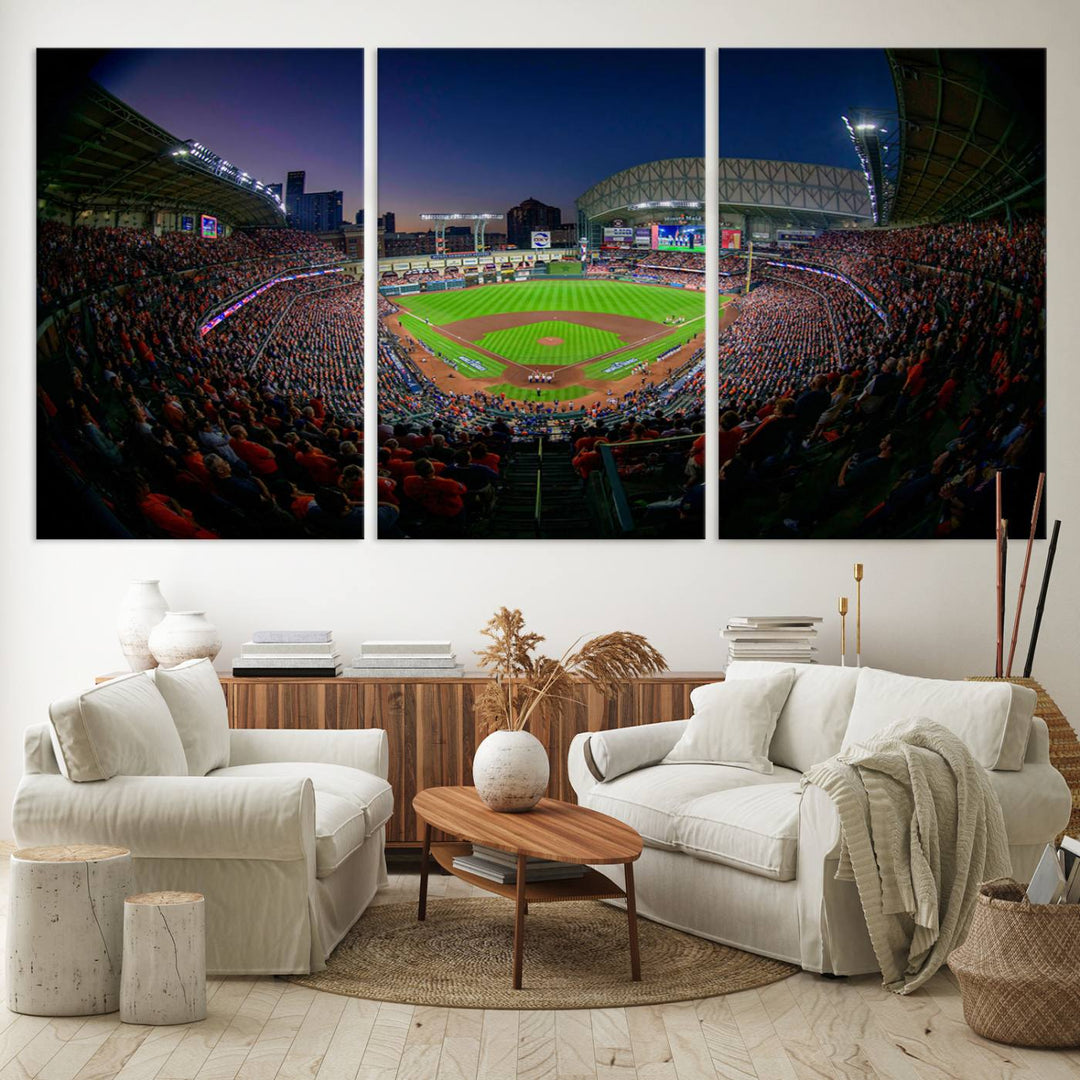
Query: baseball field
x=586 y=334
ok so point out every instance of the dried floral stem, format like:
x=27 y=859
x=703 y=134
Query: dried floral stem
x=525 y=681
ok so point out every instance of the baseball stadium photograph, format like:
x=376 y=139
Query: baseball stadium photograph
x=200 y=294
x=541 y=293
x=882 y=361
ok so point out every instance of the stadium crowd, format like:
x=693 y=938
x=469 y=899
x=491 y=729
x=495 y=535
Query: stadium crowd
x=317 y=349
x=147 y=428
x=80 y=260
x=837 y=421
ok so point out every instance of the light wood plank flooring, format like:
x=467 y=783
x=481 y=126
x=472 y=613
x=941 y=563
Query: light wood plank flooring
x=805 y=1028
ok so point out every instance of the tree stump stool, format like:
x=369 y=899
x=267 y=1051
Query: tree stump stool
x=164 y=980
x=65 y=928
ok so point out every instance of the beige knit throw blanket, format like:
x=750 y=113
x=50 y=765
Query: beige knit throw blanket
x=921 y=829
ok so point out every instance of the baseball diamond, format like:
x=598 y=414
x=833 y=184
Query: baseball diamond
x=583 y=337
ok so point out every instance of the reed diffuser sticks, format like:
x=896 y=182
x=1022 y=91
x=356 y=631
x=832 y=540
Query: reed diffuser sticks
x=1000 y=574
x=1037 y=625
x=1024 y=572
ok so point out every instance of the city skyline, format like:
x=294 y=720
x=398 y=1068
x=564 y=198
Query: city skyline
x=269 y=111
x=506 y=125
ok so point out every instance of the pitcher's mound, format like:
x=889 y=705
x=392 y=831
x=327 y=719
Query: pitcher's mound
x=549 y=341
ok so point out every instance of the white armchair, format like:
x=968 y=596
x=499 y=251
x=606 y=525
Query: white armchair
x=286 y=841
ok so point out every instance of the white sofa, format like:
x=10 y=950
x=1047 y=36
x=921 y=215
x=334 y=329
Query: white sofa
x=283 y=833
x=744 y=858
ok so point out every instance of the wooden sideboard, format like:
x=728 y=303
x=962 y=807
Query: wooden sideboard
x=431 y=725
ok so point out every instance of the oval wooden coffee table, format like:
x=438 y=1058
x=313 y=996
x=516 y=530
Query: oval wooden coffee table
x=553 y=830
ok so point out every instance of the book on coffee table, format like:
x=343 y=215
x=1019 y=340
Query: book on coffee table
x=507 y=875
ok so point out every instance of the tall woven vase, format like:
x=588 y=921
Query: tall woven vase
x=1019 y=969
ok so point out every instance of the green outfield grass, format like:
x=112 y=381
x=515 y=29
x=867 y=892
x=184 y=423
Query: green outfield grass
x=647 y=352
x=529 y=393
x=451 y=349
x=555 y=269
x=521 y=343
x=652 y=302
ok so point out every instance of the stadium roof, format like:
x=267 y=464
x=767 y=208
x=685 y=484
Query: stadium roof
x=817 y=196
x=96 y=153
x=789 y=192
x=668 y=180
x=972 y=126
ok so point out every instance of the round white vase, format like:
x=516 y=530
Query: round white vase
x=143 y=607
x=184 y=635
x=510 y=771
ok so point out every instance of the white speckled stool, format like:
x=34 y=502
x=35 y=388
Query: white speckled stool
x=65 y=929
x=164 y=980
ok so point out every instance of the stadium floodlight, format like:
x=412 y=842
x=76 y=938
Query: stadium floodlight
x=198 y=157
x=869 y=133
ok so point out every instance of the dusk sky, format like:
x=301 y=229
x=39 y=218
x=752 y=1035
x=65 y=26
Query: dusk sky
x=266 y=110
x=786 y=104
x=483 y=129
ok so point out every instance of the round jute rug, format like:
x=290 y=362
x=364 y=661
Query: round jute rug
x=576 y=957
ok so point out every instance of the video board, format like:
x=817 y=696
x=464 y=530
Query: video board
x=730 y=239
x=679 y=238
x=208 y=227
x=620 y=236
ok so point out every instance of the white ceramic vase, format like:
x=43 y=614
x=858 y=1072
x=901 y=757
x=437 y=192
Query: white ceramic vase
x=184 y=635
x=510 y=771
x=142 y=609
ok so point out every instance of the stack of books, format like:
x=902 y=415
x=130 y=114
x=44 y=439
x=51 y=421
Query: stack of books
x=787 y=639
x=1057 y=877
x=501 y=866
x=292 y=653
x=405 y=660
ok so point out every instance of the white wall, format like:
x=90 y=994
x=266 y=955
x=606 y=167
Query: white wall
x=928 y=605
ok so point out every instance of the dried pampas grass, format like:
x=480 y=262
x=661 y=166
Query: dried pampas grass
x=524 y=681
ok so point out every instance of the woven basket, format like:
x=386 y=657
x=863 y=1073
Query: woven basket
x=1019 y=969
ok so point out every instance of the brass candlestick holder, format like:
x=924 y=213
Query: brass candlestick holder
x=841 y=607
x=858 y=613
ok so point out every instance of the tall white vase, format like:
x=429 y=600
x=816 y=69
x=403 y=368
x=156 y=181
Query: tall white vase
x=184 y=635
x=143 y=607
x=510 y=771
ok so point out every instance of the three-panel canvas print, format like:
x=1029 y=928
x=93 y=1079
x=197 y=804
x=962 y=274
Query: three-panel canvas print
x=877 y=337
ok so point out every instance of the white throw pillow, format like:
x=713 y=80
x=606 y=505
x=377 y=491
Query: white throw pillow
x=617 y=751
x=193 y=693
x=733 y=722
x=121 y=728
x=992 y=719
x=815 y=716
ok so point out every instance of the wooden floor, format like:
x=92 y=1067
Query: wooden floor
x=260 y=1029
